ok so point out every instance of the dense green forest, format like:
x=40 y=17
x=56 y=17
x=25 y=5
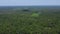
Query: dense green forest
x=26 y=21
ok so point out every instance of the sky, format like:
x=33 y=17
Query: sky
x=28 y=2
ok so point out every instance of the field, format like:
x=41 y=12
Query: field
x=45 y=21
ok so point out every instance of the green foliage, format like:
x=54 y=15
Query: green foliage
x=27 y=24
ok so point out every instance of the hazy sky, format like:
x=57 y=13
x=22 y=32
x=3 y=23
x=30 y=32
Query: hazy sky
x=28 y=2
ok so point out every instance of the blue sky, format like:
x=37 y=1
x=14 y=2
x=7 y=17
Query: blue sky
x=28 y=2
